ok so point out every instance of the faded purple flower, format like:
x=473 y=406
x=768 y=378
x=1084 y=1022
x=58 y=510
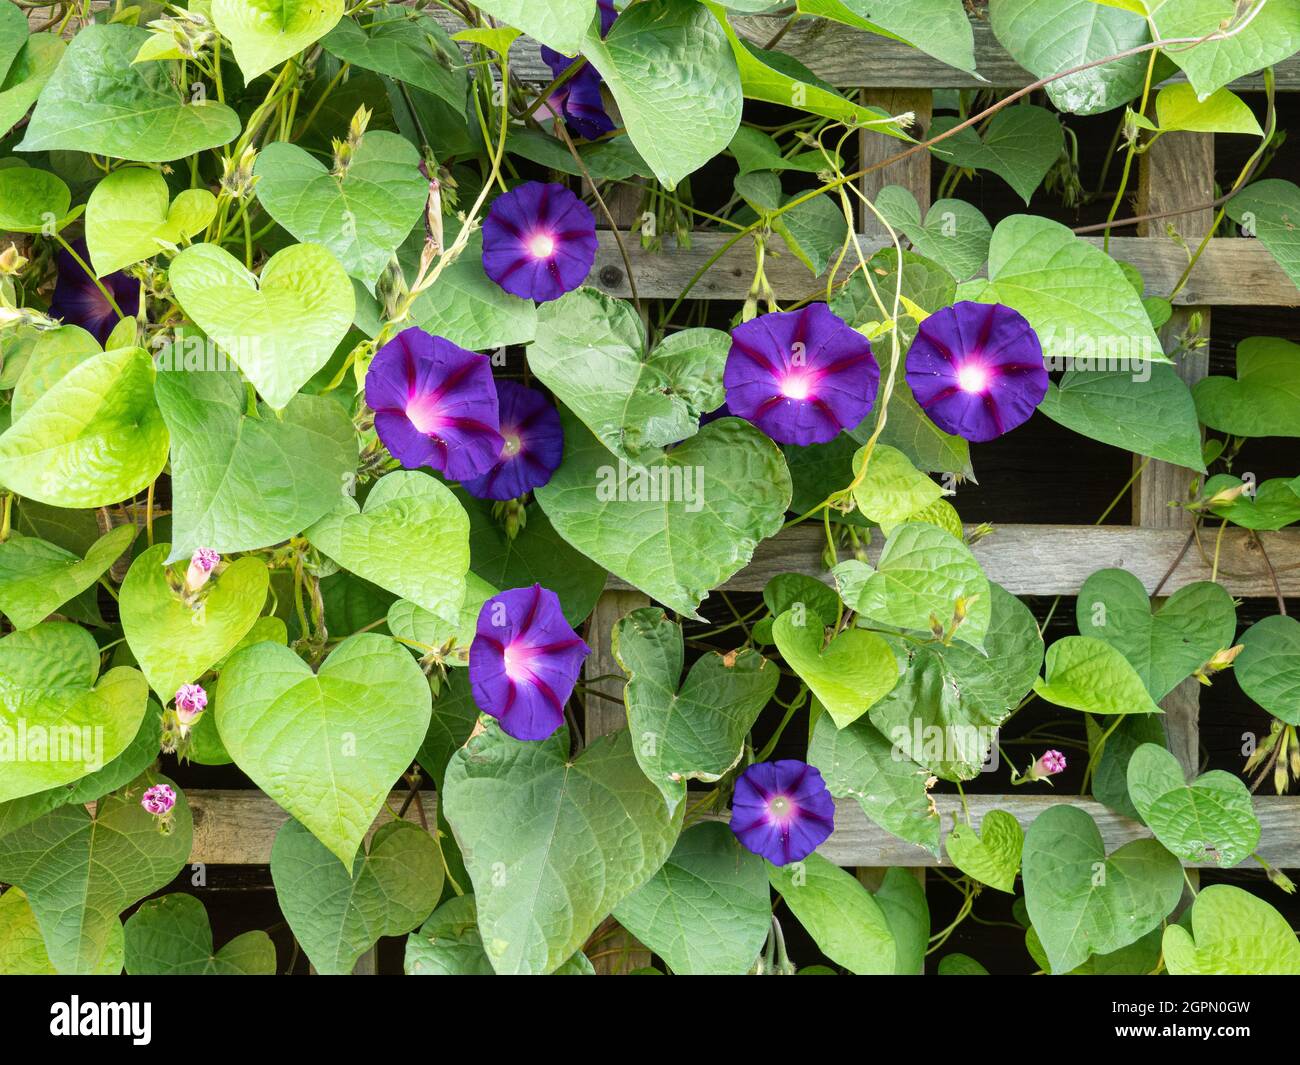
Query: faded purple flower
x=578 y=101
x=800 y=376
x=977 y=370
x=534 y=444
x=191 y=701
x=782 y=810
x=202 y=563
x=77 y=300
x=539 y=241
x=159 y=800
x=524 y=661
x=435 y=405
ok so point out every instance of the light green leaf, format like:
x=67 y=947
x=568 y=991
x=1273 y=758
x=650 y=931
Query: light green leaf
x=1081 y=900
x=681 y=526
x=51 y=356
x=939 y=28
x=411 y=537
x=660 y=59
x=955 y=234
x=80 y=871
x=1268 y=669
x=280 y=327
x=1088 y=674
x=1233 y=933
x=840 y=914
x=1177 y=108
x=176 y=641
x=410 y=622
x=22 y=951
x=1270 y=210
x=407 y=45
x=552 y=845
x=1210 y=819
x=849 y=675
x=893 y=489
x=1272 y=34
x=693 y=729
x=449 y=944
x=1020 y=144
x=243 y=481
x=560 y=24
x=361 y=216
x=1264 y=399
x=1164 y=647
x=707 y=911
x=171 y=936
x=455 y=714
x=36 y=577
x=131 y=216
x=97 y=101
x=93 y=439
x=60 y=719
x=264 y=33
x=32 y=201
x=313 y=742
x=814 y=231
x=337 y=917
x=993 y=855
x=470 y=309
x=858 y=762
x=23 y=83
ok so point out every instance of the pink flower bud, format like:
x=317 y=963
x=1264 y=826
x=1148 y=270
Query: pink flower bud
x=191 y=701
x=203 y=562
x=159 y=800
x=1051 y=763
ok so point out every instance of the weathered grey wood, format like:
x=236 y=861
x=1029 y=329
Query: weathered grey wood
x=239 y=827
x=913 y=173
x=1233 y=271
x=1057 y=559
x=1177 y=171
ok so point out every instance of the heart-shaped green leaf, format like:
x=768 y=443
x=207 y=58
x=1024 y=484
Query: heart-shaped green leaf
x=1269 y=506
x=243 y=480
x=59 y=719
x=336 y=916
x=993 y=855
x=707 y=911
x=449 y=944
x=36 y=577
x=411 y=537
x=552 y=845
x=839 y=913
x=1088 y=674
x=362 y=215
x=696 y=731
x=658 y=59
x=1264 y=398
x=131 y=216
x=170 y=936
x=1269 y=210
x=849 y=675
x=1269 y=34
x=98 y=100
x=924 y=576
x=314 y=742
x=407 y=45
x=410 y=622
x=80 y=871
x=892 y=489
x=22 y=951
x=1232 y=933
x=590 y=351
x=682 y=525
x=558 y=24
x=26 y=77
x=1167 y=646
x=55 y=352
x=1223 y=111
x=176 y=641
x=93 y=439
x=280 y=327
x=955 y=234
x=1268 y=668
x=858 y=762
x=945 y=711
x=1212 y=818
x=1081 y=900
x=32 y=201
x=264 y=33
x=1020 y=144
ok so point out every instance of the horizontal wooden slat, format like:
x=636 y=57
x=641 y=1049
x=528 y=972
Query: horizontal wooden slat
x=1232 y=271
x=239 y=827
x=1057 y=559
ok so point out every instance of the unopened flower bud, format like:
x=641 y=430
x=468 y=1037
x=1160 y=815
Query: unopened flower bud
x=11 y=261
x=1044 y=767
x=191 y=701
x=237 y=178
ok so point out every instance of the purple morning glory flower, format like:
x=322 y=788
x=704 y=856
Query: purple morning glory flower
x=977 y=370
x=800 y=376
x=524 y=661
x=578 y=100
x=78 y=301
x=782 y=810
x=539 y=241
x=435 y=405
x=534 y=444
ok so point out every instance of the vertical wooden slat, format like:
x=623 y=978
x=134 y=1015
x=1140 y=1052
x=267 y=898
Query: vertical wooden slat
x=1177 y=171
x=913 y=173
